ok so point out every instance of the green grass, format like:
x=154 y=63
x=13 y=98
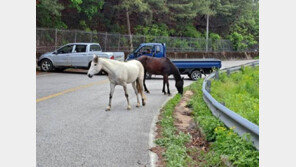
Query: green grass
x=239 y=92
x=224 y=142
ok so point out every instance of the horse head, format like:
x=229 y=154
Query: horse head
x=179 y=85
x=95 y=67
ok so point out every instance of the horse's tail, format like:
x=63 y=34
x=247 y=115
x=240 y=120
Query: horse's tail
x=138 y=85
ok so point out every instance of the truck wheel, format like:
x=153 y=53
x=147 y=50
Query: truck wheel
x=46 y=65
x=195 y=75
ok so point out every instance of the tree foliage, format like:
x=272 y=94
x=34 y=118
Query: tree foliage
x=49 y=14
x=236 y=20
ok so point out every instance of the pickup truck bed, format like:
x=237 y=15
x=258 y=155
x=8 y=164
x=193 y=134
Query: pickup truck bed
x=197 y=63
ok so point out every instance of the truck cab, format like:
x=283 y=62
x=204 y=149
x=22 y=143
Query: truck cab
x=148 y=49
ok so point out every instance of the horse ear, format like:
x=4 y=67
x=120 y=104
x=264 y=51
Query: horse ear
x=96 y=58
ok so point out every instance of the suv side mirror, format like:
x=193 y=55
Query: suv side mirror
x=55 y=52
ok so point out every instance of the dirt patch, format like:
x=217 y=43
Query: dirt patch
x=184 y=123
x=183 y=120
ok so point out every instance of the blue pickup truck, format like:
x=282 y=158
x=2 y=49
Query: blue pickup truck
x=194 y=68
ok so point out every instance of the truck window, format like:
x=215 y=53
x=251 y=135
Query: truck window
x=80 y=48
x=157 y=48
x=145 y=50
x=65 y=49
x=94 y=48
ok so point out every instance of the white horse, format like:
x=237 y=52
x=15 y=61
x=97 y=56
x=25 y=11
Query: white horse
x=120 y=73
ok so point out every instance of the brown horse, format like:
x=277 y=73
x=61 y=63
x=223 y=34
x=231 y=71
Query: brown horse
x=164 y=67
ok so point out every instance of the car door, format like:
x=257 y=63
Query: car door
x=79 y=56
x=61 y=57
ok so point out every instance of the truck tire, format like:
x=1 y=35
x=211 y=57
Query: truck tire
x=195 y=74
x=46 y=65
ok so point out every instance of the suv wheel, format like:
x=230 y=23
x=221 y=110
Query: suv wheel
x=46 y=65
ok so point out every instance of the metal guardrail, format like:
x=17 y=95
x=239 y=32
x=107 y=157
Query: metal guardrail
x=228 y=117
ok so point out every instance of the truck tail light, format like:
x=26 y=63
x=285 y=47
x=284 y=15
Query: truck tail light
x=112 y=57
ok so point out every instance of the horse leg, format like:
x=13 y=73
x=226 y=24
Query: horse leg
x=126 y=96
x=167 y=82
x=112 y=87
x=163 y=85
x=137 y=94
x=144 y=82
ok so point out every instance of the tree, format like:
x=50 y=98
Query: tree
x=80 y=14
x=130 y=6
x=181 y=13
x=48 y=14
x=211 y=8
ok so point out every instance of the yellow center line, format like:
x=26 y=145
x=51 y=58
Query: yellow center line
x=71 y=90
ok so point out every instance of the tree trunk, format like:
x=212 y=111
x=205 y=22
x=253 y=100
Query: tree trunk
x=207 y=38
x=129 y=32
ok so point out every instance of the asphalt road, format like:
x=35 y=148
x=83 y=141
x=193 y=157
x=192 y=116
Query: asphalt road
x=73 y=128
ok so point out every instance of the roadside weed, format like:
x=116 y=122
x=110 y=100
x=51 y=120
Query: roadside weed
x=239 y=92
x=225 y=145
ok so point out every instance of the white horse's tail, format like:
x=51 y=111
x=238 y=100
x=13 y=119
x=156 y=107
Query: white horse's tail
x=138 y=85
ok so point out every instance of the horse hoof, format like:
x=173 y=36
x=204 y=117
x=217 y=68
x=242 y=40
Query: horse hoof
x=108 y=108
x=129 y=107
x=138 y=105
x=147 y=92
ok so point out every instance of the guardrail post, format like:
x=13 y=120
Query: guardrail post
x=228 y=72
x=216 y=75
x=242 y=68
x=253 y=65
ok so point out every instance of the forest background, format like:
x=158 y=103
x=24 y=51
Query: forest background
x=235 y=20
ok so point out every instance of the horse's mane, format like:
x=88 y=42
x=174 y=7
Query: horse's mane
x=174 y=70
